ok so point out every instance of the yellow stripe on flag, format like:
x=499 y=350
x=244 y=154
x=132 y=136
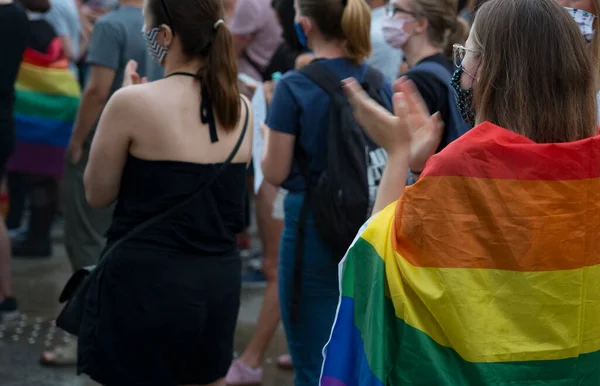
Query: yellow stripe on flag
x=490 y=315
x=47 y=80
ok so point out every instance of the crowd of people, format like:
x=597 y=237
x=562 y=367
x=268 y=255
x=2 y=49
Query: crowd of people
x=423 y=173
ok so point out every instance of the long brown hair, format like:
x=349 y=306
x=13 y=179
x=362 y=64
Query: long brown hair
x=193 y=22
x=445 y=27
x=535 y=74
x=347 y=20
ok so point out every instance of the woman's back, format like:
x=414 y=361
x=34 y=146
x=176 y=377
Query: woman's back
x=173 y=152
x=300 y=107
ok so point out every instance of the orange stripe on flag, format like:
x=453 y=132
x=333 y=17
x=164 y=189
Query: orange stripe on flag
x=463 y=222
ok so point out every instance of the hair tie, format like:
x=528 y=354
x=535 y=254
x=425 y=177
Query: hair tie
x=218 y=23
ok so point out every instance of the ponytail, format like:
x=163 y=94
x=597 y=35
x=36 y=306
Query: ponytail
x=458 y=35
x=218 y=78
x=356 y=27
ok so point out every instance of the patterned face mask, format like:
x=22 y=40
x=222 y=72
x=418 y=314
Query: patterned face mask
x=157 y=51
x=585 y=21
x=464 y=98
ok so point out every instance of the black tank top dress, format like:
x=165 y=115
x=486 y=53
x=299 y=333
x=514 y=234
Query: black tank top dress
x=164 y=308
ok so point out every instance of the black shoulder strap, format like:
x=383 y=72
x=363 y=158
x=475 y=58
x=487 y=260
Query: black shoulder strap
x=156 y=219
x=373 y=78
x=331 y=83
x=323 y=77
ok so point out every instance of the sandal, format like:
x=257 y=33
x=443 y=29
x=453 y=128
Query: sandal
x=60 y=356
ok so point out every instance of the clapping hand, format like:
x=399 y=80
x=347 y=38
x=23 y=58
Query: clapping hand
x=411 y=129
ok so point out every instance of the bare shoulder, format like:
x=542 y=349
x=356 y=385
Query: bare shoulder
x=132 y=98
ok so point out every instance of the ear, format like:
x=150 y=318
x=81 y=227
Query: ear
x=165 y=35
x=421 y=25
x=306 y=24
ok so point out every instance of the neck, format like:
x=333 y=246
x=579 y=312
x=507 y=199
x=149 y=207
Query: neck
x=132 y=3
x=174 y=65
x=328 y=49
x=416 y=50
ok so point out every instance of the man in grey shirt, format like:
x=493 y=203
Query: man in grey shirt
x=64 y=18
x=116 y=39
x=384 y=58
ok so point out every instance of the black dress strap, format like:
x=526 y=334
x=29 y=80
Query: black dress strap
x=207 y=115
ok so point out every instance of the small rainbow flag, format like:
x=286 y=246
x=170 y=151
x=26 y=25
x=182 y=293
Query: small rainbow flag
x=46 y=102
x=486 y=272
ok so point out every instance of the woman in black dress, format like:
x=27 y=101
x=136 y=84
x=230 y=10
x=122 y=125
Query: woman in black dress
x=164 y=308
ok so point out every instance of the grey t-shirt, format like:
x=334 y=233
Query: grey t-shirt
x=118 y=38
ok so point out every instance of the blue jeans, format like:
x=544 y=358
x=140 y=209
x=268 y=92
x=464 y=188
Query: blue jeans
x=319 y=294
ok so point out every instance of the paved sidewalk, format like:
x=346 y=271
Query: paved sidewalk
x=37 y=285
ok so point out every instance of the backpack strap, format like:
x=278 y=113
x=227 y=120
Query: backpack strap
x=373 y=78
x=323 y=77
x=436 y=69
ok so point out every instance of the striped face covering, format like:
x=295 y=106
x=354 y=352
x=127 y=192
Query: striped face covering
x=486 y=272
x=157 y=51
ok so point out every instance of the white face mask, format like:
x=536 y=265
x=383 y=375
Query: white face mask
x=393 y=31
x=585 y=21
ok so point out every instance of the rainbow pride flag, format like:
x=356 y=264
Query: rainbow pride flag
x=486 y=272
x=46 y=102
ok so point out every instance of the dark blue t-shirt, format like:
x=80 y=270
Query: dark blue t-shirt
x=301 y=108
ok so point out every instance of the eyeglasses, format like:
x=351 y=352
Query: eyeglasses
x=392 y=10
x=458 y=54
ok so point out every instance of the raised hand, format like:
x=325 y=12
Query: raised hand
x=411 y=129
x=131 y=77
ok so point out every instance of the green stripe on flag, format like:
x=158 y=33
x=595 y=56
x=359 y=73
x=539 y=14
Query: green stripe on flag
x=55 y=107
x=399 y=354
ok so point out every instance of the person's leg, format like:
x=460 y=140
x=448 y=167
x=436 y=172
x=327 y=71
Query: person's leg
x=8 y=304
x=318 y=297
x=44 y=201
x=18 y=190
x=269 y=318
x=84 y=240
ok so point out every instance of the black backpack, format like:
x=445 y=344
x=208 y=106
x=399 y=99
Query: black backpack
x=345 y=193
x=343 y=197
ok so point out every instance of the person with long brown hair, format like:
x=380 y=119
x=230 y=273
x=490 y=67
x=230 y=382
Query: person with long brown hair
x=485 y=271
x=163 y=308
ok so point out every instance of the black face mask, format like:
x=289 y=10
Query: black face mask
x=464 y=98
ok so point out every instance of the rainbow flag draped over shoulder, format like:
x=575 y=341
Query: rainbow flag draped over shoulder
x=46 y=102
x=486 y=272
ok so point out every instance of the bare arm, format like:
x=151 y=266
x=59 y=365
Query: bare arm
x=240 y=43
x=67 y=46
x=108 y=155
x=411 y=135
x=277 y=156
x=92 y=102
